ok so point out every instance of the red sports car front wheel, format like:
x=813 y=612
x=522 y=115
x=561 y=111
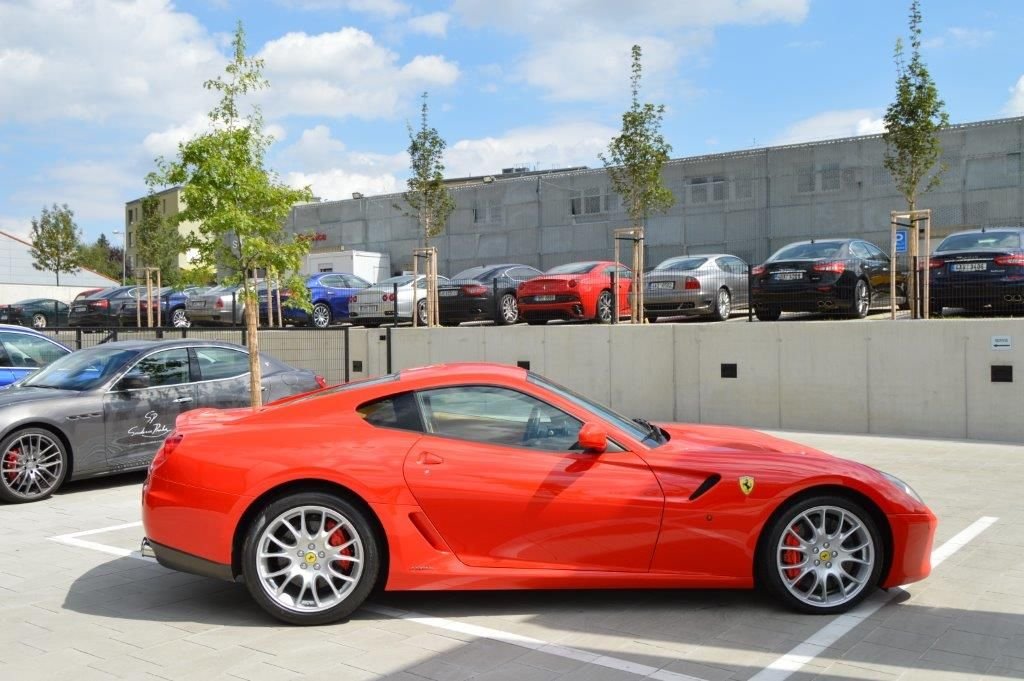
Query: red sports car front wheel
x=822 y=555
x=310 y=558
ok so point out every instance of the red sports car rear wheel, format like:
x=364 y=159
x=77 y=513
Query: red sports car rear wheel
x=310 y=558
x=822 y=555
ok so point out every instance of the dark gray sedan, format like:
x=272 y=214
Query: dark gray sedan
x=107 y=409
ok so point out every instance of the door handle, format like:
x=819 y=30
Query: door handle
x=428 y=459
x=181 y=400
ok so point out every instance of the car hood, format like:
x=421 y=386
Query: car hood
x=18 y=394
x=729 y=439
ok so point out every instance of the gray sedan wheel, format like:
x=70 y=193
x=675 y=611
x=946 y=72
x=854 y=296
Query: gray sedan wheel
x=723 y=305
x=33 y=463
x=179 y=319
x=39 y=320
x=508 y=309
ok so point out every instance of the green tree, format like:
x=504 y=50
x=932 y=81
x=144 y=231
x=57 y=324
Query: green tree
x=56 y=241
x=634 y=162
x=240 y=206
x=159 y=243
x=913 y=121
x=427 y=194
x=102 y=257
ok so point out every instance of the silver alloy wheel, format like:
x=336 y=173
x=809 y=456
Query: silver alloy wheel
x=321 y=316
x=309 y=559
x=862 y=298
x=421 y=311
x=724 y=304
x=825 y=556
x=39 y=320
x=31 y=466
x=509 y=308
x=179 y=319
x=604 y=307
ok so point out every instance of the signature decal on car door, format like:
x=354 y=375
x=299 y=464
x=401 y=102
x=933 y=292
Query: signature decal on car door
x=151 y=429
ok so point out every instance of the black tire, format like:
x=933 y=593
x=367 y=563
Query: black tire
x=651 y=318
x=536 y=322
x=605 y=316
x=860 y=301
x=767 y=314
x=325 y=319
x=722 y=308
x=770 y=573
x=370 y=559
x=40 y=321
x=935 y=310
x=18 y=486
x=421 y=312
x=508 y=310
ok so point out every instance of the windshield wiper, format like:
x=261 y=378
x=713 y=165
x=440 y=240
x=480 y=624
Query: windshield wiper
x=652 y=430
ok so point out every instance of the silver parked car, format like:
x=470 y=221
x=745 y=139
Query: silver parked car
x=377 y=305
x=710 y=285
x=221 y=305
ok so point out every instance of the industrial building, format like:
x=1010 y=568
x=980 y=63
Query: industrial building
x=747 y=202
x=169 y=203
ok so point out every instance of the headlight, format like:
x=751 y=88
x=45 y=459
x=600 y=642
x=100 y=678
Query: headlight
x=903 y=486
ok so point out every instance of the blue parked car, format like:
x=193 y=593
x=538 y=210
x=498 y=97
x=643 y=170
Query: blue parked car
x=328 y=291
x=173 y=304
x=24 y=351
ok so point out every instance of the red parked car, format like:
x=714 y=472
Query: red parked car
x=483 y=476
x=578 y=290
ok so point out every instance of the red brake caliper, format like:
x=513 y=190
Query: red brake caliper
x=10 y=464
x=337 y=539
x=791 y=557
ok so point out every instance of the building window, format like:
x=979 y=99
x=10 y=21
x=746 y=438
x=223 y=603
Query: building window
x=325 y=267
x=163 y=206
x=830 y=178
x=130 y=234
x=699 y=190
x=805 y=180
x=488 y=211
x=592 y=201
x=718 y=188
x=131 y=215
x=743 y=188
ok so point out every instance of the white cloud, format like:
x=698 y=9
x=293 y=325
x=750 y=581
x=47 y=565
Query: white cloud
x=338 y=183
x=93 y=189
x=166 y=141
x=580 y=48
x=19 y=227
x=833 y=124
x=434 y=24
x=959 y=36
x=345 y=73
x=385 y=8
x=561 y=144
x=1015 y=105
x=97 y=59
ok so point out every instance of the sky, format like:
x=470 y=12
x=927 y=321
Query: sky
x=93 y=91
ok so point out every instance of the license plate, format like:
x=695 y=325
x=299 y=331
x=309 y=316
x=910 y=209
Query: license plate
x=543 y=299
x=788 y=276
x=366 y=309
x=447 y=293
x=80 y=308
x=969 y=267
x=661 y=285
x=196 y=304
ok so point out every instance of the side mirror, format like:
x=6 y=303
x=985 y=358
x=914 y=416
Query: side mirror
x=133 y=383
x=593 y=438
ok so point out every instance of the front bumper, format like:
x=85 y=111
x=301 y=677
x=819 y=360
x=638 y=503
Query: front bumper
x=912 y=538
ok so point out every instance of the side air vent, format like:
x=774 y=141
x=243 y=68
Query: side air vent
x=712 y=480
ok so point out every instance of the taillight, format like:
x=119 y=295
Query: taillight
x=388 y=297
x=936 y=263
x=1015 y=259
x=835 y=266
x=16 y=310
x=102 y=302
x=321 y=381
x=573 y=283
x=757 y=271
x=170 y=444
x=219 y=304
x=354 y=299
x=474 y=290
x=692 y=284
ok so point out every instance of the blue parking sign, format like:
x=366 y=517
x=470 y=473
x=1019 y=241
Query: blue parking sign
x=901 y=240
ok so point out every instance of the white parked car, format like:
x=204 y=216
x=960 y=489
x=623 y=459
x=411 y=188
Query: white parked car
x=377 y=305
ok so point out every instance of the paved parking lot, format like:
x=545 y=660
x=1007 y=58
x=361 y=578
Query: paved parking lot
x=84 y=606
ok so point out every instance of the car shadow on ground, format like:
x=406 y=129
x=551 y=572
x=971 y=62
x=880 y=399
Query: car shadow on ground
x=102 y=483
x=670 y=626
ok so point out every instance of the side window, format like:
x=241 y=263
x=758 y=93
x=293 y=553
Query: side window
x=21 y=350
x=217 y=363
x=523 y=273
x=168 y=367
x=497 y=416
x=333 y=281
x=724 y=264
x=394 y=411
x=876 y=252
x=738 y=266
x=857 y=250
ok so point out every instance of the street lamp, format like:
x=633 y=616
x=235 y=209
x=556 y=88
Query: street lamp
x=123 y=270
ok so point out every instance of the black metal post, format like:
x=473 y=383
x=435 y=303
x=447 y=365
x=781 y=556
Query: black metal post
x=387 y=340
x=615 y=295
x=78 y=338
x=750 y=292
x=234 y=310
x=347 y=362
x=498 y=312
x=394 y=319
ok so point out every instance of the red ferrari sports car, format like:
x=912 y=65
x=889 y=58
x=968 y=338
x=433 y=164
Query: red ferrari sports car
x=480 y=476
x=578 y=290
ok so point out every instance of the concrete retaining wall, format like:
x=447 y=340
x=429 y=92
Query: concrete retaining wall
x=926 y=378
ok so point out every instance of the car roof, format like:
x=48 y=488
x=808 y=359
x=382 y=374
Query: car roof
x=982 y=230
x=180 y=342
x=473 y=371
x=31 y=332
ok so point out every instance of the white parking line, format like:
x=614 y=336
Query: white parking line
x=816 y=644
x=73 y=539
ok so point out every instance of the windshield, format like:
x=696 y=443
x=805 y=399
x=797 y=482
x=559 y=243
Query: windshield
x=980 y=241
x=820 y=249
x=82 y=370
x=681 y=264
x=635 y=429
x=478 y=273
x=573 y=268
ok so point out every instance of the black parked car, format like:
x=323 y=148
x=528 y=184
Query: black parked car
x=36 y=312
x=978 y=269
x=849 y=276
x=482 y=293
x=105 y=307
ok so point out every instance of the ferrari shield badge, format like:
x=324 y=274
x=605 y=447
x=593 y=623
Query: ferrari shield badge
x=746 y=484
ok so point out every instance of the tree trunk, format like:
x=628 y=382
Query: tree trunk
x=252 y=341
